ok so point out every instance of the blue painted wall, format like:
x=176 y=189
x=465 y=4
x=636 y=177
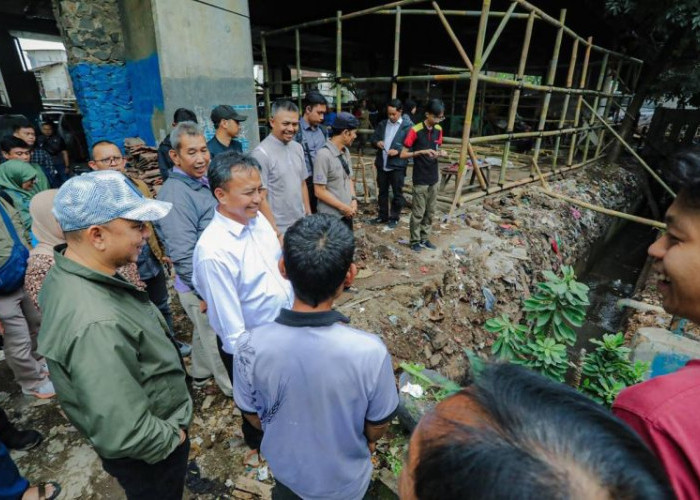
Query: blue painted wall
x=118 y=100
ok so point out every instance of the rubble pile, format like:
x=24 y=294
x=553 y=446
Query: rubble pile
x=143 y=162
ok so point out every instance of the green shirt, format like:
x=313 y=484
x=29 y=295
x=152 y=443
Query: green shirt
x=117 y=375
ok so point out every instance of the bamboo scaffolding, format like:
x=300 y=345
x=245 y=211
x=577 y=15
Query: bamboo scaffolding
x=606 y=211
x=567 y=97
x=453 y=37
x=397 y=47
x=514 y=135
x=469 y=112
x=499 y=30
x=551 y=75
x=606 y=110
x=515 y=98
x=456 y=13
x=339 y=61
x=631 y=150
x=577 y=112
x=596 y=101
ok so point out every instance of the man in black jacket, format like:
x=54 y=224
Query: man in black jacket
x=165 y=164
x=388 y=138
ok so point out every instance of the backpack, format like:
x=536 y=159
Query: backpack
x=12 y=271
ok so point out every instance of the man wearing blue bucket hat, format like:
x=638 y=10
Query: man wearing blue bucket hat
x=118 y=376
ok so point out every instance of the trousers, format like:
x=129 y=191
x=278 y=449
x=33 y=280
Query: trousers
x=393 y=179
x=424 y=199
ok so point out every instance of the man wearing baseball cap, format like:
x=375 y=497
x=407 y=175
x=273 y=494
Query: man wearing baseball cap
x=227 y=123
x=118 y=377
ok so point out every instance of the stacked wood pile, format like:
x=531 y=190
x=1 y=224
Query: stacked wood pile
x=143 y=163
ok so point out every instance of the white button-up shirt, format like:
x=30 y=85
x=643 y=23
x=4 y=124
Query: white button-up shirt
x=389 y=134
x=235 y=270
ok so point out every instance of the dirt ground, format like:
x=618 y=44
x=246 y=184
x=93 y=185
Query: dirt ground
x=427 y=307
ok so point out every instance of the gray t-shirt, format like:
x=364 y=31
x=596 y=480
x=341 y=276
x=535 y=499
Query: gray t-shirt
x=283 y=173
x=314 y=382
x=329 y=171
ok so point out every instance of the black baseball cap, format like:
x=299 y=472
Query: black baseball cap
x=345 y=121
x=226 y=112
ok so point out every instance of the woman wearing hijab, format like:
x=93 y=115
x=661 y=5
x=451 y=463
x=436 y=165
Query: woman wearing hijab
x=48 y=234
x=17 y=180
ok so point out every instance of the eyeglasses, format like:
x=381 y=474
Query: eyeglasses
x=438 y=119
x=112 y=160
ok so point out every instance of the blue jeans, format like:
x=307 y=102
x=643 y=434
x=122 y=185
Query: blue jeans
x=12 y=485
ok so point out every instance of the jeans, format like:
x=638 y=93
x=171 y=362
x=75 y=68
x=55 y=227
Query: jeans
x=157 y=289
x=424 y=199
x=393 y=179
x=251 y=435
x=164 y=480
x=12 y=484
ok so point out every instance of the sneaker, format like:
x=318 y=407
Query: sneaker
x=393 y=223
x=416 y=247
x=22 y=440
x=185 y=349
x=378 y=220
x=44 y=391
x=427 y=244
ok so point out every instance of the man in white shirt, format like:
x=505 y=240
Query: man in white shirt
x=283 y=169
x=236 y=260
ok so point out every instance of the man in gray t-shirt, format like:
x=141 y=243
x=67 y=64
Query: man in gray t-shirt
x=333 y=182
x=283 y=169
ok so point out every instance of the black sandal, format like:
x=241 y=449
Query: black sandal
x=42 y=490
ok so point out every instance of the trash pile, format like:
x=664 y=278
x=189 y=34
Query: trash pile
x=143 y=162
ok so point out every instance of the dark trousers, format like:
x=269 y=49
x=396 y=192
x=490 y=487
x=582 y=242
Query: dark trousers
x=164 y=480
x=395 y=180
x=251 y=436
x=313 y=201
x=157 y=289
x=282 y=492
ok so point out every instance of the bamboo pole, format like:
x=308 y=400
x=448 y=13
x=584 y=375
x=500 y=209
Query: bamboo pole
x=471 y=98
x=266 y=75
x=499 y=29
x=397 y=46
x=606 y=211
x=577 y=112
x=297 y=40
x=545 y=184
x=631 y=150
x=565 y=105
x=339 y=61
x=453 y=37
x=606 y=110
x=551 y=75
x=596 y=101
x=456 y=13
x=515 y=98
x=516 y=135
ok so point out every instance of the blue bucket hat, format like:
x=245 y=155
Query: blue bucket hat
x=99 y=197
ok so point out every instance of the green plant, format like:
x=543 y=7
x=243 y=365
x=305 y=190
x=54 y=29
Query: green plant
x=436 y=387
x=511 y=340
x=608 y=369
x=548 y=357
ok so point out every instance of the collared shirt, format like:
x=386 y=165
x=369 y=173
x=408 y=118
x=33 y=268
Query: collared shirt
x=312 y=139
x=425 y=169
x=118 y=376
x=329 y=172
x=283 y=175
x=215 y=147
x=44 y=160
x=314 y=382
x=389 y=133
x=664 y=412
x=236 y=272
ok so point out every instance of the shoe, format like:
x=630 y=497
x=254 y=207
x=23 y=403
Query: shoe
x=22 y=440
x=416 y=247
x=200 y=382
x=44 y=391
x=393 y=223
x=185 y=349
x=427 y=244
x=378 y=220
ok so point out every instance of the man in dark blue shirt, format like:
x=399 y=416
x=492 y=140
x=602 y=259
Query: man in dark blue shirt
x=227 y=123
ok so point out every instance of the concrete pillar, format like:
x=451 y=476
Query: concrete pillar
x=205 y=57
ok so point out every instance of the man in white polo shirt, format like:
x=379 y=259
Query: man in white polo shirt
x=234 y=263
x=283 y=169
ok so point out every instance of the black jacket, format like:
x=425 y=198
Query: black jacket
x=393 y=162
x=165 y=164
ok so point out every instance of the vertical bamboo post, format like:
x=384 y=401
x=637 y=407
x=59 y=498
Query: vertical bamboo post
x=515 y=98
x=577 y=113
x=551 y=75
x=607 y=89
x=397 y=46
x=565 y=105
x=471 y=98
x=266 y=75
x=297 y=40
x=596 y=101
x=339 y=61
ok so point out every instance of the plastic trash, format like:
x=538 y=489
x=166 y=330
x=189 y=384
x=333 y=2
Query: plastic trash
x=490 y=298
x=414 y=390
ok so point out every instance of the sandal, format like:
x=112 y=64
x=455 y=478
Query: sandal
x=41 y=490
